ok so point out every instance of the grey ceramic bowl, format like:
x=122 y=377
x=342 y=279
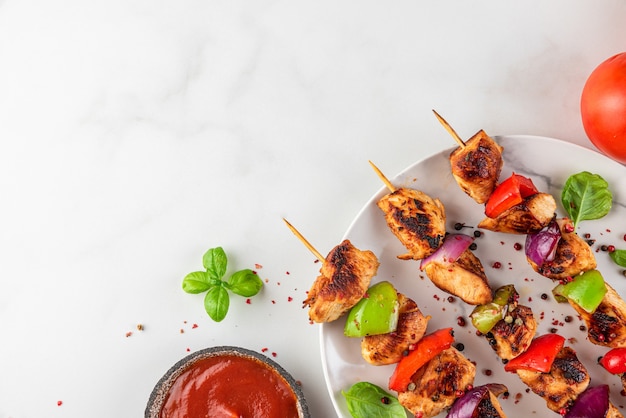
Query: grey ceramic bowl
x=159 y=393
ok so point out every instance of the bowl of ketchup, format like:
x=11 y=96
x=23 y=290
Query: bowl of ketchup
x=227 y=381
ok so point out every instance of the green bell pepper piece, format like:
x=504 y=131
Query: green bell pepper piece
x=377 y=313
x=586 y=290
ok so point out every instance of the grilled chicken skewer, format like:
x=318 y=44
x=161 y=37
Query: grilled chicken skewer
x=416 y=219
x=476 y=164
x=344 y=278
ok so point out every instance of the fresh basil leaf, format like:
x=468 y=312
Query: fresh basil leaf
x=196 y=282
x=586 y=196
x=215 y=262
x=365 y=399
x=619 y=257
x=216 y=303
x=245 y=283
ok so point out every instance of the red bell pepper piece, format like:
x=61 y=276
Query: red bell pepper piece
x=539 y=356
x=425 y=350
x=614 y=361
x=509 y=193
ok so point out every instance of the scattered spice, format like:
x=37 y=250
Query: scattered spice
x=139 y=327
x=59 y=403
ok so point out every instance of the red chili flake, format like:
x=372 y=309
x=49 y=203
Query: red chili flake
x=289 y=299
x=608 y=230
x=188 y=349
x=278 y=283
x=611 y=248
x=59 y=403
x=128 y=334
x=624 y=237
x=248 y=301
x=273 y=302
x=274 y=354
x=194 y=326
x=258 y=266
x=264 y=349
x=530 y=299
x=287 y=273
x=501 y=242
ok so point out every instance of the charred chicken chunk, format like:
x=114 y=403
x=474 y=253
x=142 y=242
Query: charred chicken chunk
x=436 y=385
x=530 y=216
x=606 y=326
x=573 y=255
x=567 y=379
x=464 y=278
x=389 y=348
x=512 y=335
x=416 y=219
x=344 y=278
x=476 y=167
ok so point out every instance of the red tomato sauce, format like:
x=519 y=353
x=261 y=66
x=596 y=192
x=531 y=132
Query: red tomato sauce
x=229 y=386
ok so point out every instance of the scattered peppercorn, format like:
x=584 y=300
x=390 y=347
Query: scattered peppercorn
x=496 y=265
x=473 y=246
x=478 y=234
x=458 y=226
x=459 y=346
x=460 y=321
x=544 y=296
x=385 y=400
x=517 y=246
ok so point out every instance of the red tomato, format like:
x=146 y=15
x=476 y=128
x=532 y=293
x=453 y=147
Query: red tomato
x=603 y=107
x=615 y=361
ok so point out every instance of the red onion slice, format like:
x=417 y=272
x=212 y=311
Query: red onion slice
x=465 y=406
x=453 y=246
x=592 y=403
x=541 y=247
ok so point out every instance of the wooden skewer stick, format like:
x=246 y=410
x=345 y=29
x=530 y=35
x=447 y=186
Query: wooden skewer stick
x=450 y=130
x=306 y=243
x=383 y=178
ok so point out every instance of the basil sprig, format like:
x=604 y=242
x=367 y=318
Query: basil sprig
x=365 y=399
x=586 y=196
x=244 y=283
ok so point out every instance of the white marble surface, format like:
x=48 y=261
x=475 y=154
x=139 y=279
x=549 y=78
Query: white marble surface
x=137 y=134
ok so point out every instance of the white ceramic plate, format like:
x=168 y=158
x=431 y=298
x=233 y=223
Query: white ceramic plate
x=549 y=163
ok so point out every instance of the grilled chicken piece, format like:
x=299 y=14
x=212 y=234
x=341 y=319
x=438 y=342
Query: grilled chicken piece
x=530 y=216
x=344 y=278
x=464 y=278
x=613 y=412
x=477 y=166
x=389 y=348
x=490 y=408
x=606 y=326
x=567 y=379
x=436 y=384
x=573 y=255
x=416 y=219
x=512 y=335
